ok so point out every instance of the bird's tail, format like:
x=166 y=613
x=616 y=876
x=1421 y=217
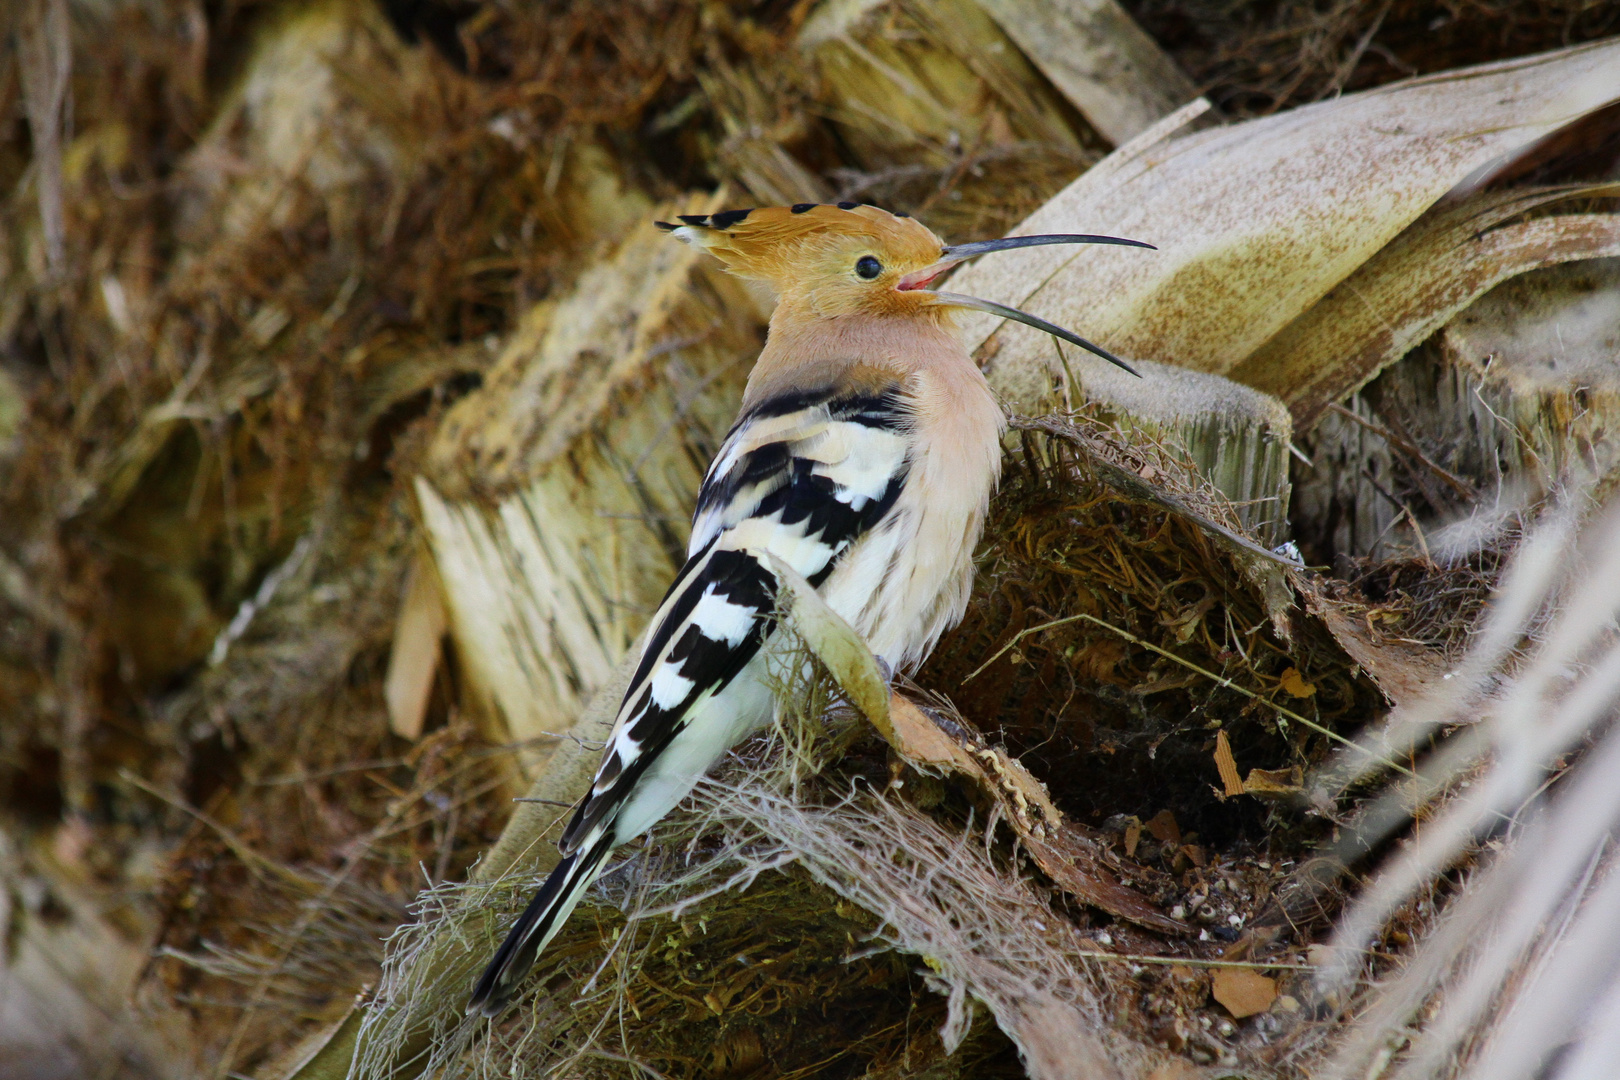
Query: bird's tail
x=539 y=923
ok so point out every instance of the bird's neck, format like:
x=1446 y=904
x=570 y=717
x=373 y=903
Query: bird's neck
x=875 y=351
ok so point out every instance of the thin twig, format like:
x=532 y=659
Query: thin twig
x=1170 y=961
x=238 y=846
x=1220 y=680
x=325 y=774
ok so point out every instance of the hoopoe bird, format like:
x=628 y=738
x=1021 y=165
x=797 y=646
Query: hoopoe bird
x=863 y=456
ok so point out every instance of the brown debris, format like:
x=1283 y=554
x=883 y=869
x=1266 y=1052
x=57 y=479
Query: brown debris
x=1243 y=992
x=1256 y=62
x=1226 y=765
x=1274 y=783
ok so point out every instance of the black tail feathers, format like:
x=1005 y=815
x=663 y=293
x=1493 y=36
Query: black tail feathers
x=540 y=921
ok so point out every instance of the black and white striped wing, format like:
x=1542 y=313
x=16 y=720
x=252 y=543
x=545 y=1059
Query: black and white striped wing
x=802 y=477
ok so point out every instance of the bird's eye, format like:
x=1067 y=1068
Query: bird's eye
x=867 y=267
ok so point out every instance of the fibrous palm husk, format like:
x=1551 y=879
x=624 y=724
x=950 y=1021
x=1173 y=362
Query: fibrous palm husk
x=279 y=269
x=578 y=425
x=1519 y=974
x=478 y=481
x=1467 y=435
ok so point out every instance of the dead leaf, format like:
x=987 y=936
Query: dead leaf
x=1226 y=764
x=1275 y=783
x=1186 y=622
x=1164 y=828
x=1243 y=991
x=920 y=740
x=1294 y=684
x=836 y=644
x=1099 y=661
x=1133 y=836
x=1253 y=938
x=413 y=659
x=1078 y=865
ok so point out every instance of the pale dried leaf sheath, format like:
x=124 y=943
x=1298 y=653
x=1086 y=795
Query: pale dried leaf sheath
x=835 y=643
x=1518 y=398
x=72 y=962
x=1244 y=992
x=1406 y=292
x=1257 y=221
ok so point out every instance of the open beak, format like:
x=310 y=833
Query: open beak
x=956 y=253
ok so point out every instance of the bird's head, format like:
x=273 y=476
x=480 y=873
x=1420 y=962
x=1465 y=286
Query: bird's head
x=850 y=259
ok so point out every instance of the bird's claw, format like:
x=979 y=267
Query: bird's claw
x=885 y=670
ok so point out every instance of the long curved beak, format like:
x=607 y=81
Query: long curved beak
x=956 y=253
x=959 y=300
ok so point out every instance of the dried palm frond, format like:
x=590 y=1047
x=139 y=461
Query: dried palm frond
x=1517 y=978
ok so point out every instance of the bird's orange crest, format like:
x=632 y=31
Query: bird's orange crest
x=851 y=258
x=838 y=258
